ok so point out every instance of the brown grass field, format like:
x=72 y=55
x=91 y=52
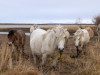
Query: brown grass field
x=87 y=64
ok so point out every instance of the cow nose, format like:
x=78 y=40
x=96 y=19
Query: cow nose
x=61 y=49
x=76 y=46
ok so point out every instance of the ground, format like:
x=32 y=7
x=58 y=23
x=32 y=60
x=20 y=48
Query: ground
x=86 y=64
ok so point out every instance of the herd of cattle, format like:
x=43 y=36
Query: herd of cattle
x=46 y=42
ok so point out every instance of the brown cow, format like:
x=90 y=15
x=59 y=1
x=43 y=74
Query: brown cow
x=17 y=38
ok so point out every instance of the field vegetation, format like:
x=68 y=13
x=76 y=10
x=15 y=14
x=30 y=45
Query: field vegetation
x=87 y=64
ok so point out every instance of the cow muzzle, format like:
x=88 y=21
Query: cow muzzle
x=61 y=49
x=61 y=52
x=9 y=43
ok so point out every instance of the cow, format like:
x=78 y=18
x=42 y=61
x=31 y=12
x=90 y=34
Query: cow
x=82 y=38
x=17 y=38
x=44 y=43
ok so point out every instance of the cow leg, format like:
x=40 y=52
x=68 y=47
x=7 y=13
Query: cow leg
x=22 y=52
x=78 y=52
x=34 y=58
x=43 y=59
x=16 y=53
x=85 y=49
x=54 y=63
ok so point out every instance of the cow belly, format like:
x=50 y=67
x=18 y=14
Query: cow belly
x=35 y=45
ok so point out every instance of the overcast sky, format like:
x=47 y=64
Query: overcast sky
x=37 y=11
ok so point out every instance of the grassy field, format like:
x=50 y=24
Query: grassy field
x=87 y=64
x=26 y=29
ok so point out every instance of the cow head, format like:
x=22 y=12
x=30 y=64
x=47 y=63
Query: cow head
x=11 y=37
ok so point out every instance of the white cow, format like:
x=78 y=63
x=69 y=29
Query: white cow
x=81 y=37
x=45 y=43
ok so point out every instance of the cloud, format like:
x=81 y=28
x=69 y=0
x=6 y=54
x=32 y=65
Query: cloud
x=48 y=10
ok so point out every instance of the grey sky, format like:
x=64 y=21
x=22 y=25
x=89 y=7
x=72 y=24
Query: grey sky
x=47 y=10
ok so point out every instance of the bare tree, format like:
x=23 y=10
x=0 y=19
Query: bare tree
x=96 y=21
x=79 y=21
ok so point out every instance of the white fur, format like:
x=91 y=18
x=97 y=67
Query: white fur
x=45 y=42
x=33 y=28
x=81 y=37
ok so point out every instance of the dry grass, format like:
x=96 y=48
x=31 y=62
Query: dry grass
x=86 y=64
x=71 y=28
x=8 y=66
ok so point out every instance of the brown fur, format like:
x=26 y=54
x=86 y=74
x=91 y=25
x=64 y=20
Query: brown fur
x=18 y=38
